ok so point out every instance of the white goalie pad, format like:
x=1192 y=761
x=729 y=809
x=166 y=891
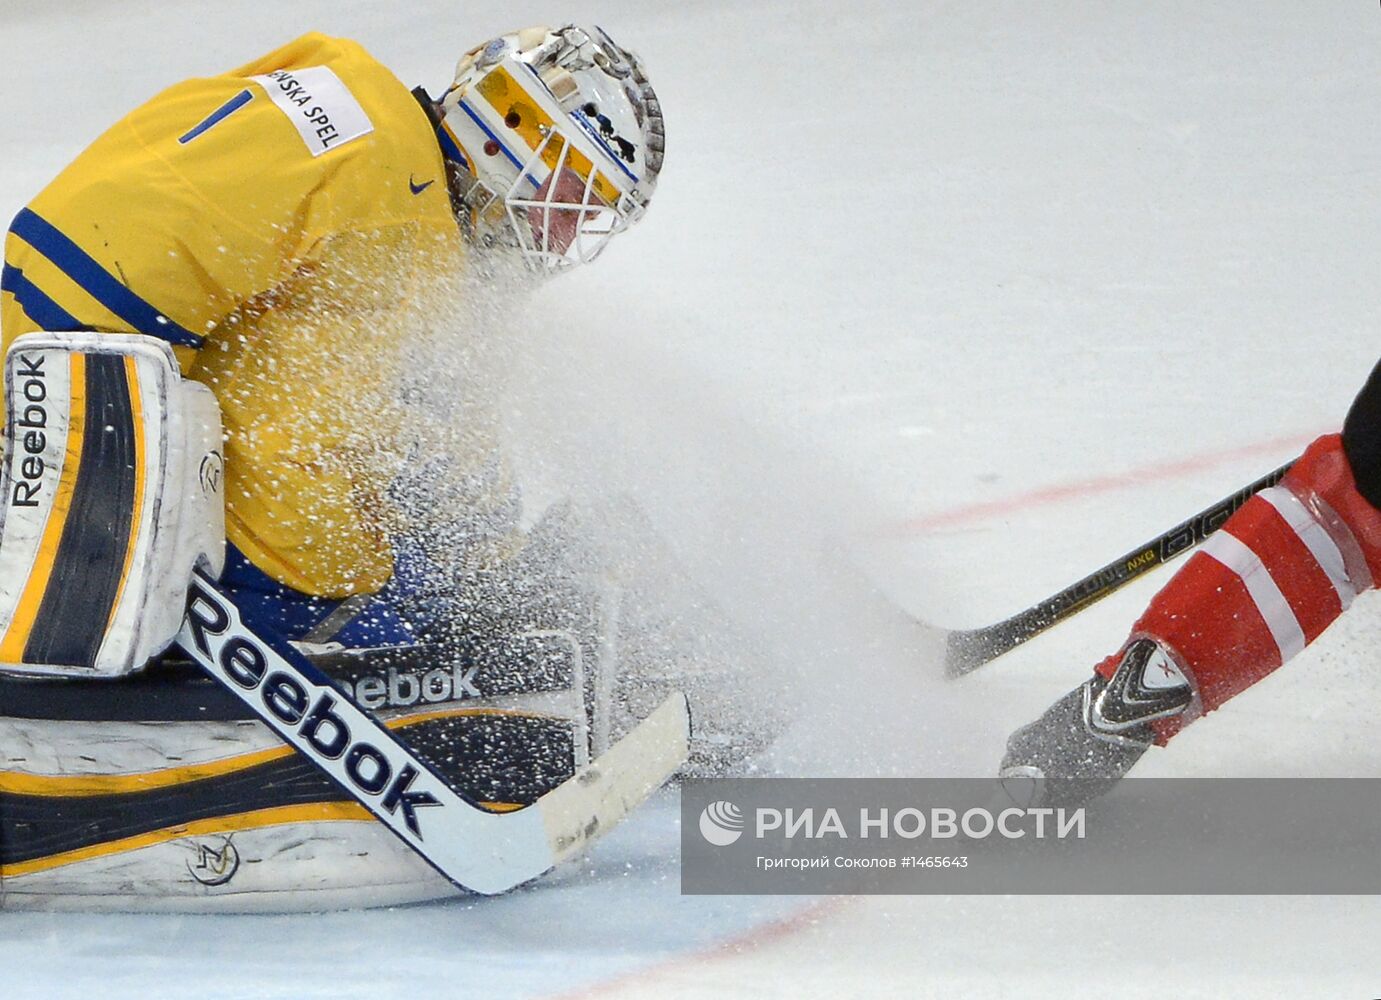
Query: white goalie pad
x=112 y=493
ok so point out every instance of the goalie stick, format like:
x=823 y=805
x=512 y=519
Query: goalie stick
x=475 y=849
x=965 y=650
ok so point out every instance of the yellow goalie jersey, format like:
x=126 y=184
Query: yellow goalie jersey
x=281 y=226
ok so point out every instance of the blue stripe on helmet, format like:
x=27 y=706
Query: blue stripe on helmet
x=474 y=117
x=593 y=133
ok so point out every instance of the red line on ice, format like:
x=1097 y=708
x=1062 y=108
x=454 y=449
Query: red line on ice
x=762 y=934
x=747 y=940
x=988 y=509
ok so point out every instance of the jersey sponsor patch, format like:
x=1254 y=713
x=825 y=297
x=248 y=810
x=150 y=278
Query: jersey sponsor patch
x=319 y=105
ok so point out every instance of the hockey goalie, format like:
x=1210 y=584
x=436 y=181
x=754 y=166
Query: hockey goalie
x=235 y=669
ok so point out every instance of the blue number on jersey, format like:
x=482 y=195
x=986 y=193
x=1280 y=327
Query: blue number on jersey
x=219 y=115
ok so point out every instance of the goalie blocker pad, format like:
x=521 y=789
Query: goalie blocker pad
x=111 y=495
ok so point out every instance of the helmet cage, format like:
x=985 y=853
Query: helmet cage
x=531 y=123
x=536 y=218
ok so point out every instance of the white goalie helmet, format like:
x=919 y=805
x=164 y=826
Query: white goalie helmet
x=561 y=136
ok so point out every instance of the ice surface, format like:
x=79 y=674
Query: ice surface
x=905 y=259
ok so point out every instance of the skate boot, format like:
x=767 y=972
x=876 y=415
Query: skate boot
x=1090 y=738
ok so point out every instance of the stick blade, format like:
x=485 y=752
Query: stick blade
x=595 y=800
x=968 y=649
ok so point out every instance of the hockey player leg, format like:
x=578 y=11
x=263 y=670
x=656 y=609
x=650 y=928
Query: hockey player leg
x=1280 y=571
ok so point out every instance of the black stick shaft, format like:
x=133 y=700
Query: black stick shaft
x=969 y=649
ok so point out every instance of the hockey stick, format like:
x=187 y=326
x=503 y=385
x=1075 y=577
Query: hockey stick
x=474 y=848
x=968 y=649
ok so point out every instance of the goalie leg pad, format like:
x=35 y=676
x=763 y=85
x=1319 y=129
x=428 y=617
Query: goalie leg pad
x=1279 y=572
x=111 y=494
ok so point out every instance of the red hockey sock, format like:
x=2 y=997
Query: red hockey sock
x=1267 y=584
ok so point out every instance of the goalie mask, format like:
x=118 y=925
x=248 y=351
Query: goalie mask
x=561 y=137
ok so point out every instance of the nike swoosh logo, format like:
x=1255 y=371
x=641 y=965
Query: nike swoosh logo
x=419 y=188
x=1127 y=701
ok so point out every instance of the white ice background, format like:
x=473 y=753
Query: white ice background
x=1094 y=263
